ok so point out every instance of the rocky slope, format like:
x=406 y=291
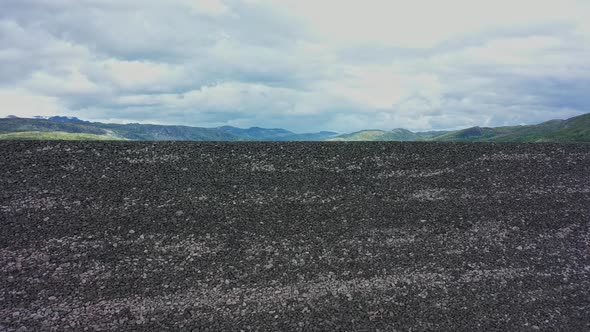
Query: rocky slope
x=136 y=236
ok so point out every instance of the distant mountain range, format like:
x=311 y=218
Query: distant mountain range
x=59 y=127
x=576 y=129
x=398 y=134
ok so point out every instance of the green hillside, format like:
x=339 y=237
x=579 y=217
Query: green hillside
x=398 y=134
x=572 y=130
x=55 y=135
x=575 y=129
x=275 y=134
x=150 y=132
x=11 y=125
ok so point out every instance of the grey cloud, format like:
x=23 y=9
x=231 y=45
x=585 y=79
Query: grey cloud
x=374 y=53
x=149 y=30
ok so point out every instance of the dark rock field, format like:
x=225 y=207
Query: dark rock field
x=129 y=236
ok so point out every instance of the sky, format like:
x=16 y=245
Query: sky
x=302 y=65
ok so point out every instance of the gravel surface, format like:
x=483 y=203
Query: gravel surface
x=294 y=236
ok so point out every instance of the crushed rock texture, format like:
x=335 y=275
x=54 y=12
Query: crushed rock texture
x=142 y=236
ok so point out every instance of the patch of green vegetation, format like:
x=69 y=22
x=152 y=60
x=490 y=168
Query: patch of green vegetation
x=573 y=130
x=33 y=125
x=56 y=135
x=398 y=134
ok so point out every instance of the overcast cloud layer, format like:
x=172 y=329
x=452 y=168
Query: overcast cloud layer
x=297 y=64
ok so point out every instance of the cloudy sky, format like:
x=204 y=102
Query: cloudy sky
x=304 y=65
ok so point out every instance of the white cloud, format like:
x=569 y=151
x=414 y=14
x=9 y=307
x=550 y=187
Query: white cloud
x=129 y=75
x=380 y=87
x=72 y=83
x=422 y=23
x=25 y=104
x=515 y=51
x=208 y=7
